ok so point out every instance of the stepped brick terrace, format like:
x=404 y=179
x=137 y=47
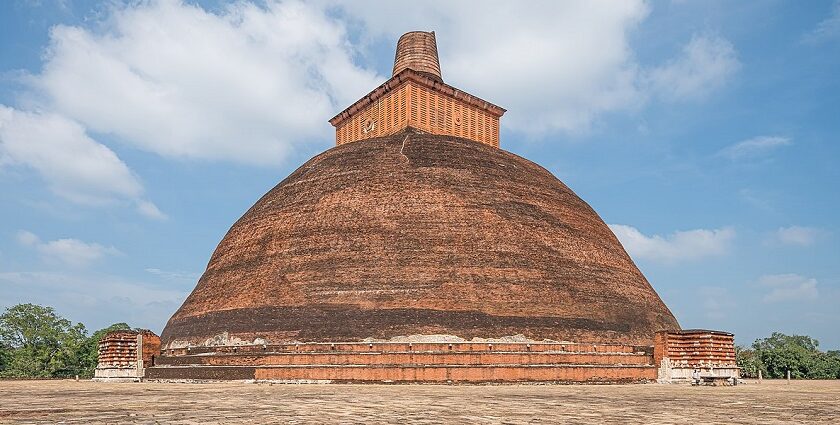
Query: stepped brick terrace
x=411 y=362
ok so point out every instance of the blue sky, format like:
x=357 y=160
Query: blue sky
x=132 y=135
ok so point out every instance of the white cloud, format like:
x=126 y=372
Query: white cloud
x=73 y=165
x=797 y=235
x=72 y=252
x=755 y=146
x=174 y=275
x=827 y=28
x=251 y=83
x=788 y=287
x=95 y=300
x=705 y=64
x=681 y=245
x=28 y=238
x=247 y=84
x=554 y=65
x=150 y=210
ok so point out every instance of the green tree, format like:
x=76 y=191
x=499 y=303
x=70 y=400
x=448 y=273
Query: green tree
x=749 y=362
x=835 y=355
x=776 y=355
x=39 y=343
x=825 y=366
x=5 y=353
x=798 y=354
x=779 y=340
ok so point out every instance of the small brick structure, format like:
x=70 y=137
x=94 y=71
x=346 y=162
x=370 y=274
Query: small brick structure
x=417 y=97
x=678 y=353
x=125 y=354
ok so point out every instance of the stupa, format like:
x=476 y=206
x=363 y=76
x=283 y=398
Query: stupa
x=417 y=250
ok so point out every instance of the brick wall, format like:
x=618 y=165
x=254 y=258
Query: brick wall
x=695 y=348
x=679 y=353
x=120 y=348
x=387 y=115
x=411 y=362
x=411 y=99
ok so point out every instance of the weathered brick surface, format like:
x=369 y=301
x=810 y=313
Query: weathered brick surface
x=415 y=347
x=417 y=50
x=473 y=374
x=407 y=374
x=436 y=362
x=420 y=234
x=150 y=347
x=399 y=354
x=119 y=349
x=217 y=373
x=695 y=348
x=410 y=99
x=407 y=359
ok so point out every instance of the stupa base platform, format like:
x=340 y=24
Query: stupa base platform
x=387 y=362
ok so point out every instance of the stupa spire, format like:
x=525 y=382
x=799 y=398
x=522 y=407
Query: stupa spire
x=417 y=50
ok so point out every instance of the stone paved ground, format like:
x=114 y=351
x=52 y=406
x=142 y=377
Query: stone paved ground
x=89 y=402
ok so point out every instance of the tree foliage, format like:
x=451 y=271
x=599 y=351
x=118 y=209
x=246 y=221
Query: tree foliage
x=749 y=362
x=776 y=355
x=40 y=343
x=5 y=357
x=35 y=342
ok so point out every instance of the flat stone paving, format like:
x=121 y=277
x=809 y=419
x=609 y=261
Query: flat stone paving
x=90 y=402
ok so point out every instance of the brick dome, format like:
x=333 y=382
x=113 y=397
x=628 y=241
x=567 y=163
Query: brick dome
x=419 y=234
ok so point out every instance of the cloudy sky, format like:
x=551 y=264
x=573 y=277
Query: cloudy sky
x=706 y=133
